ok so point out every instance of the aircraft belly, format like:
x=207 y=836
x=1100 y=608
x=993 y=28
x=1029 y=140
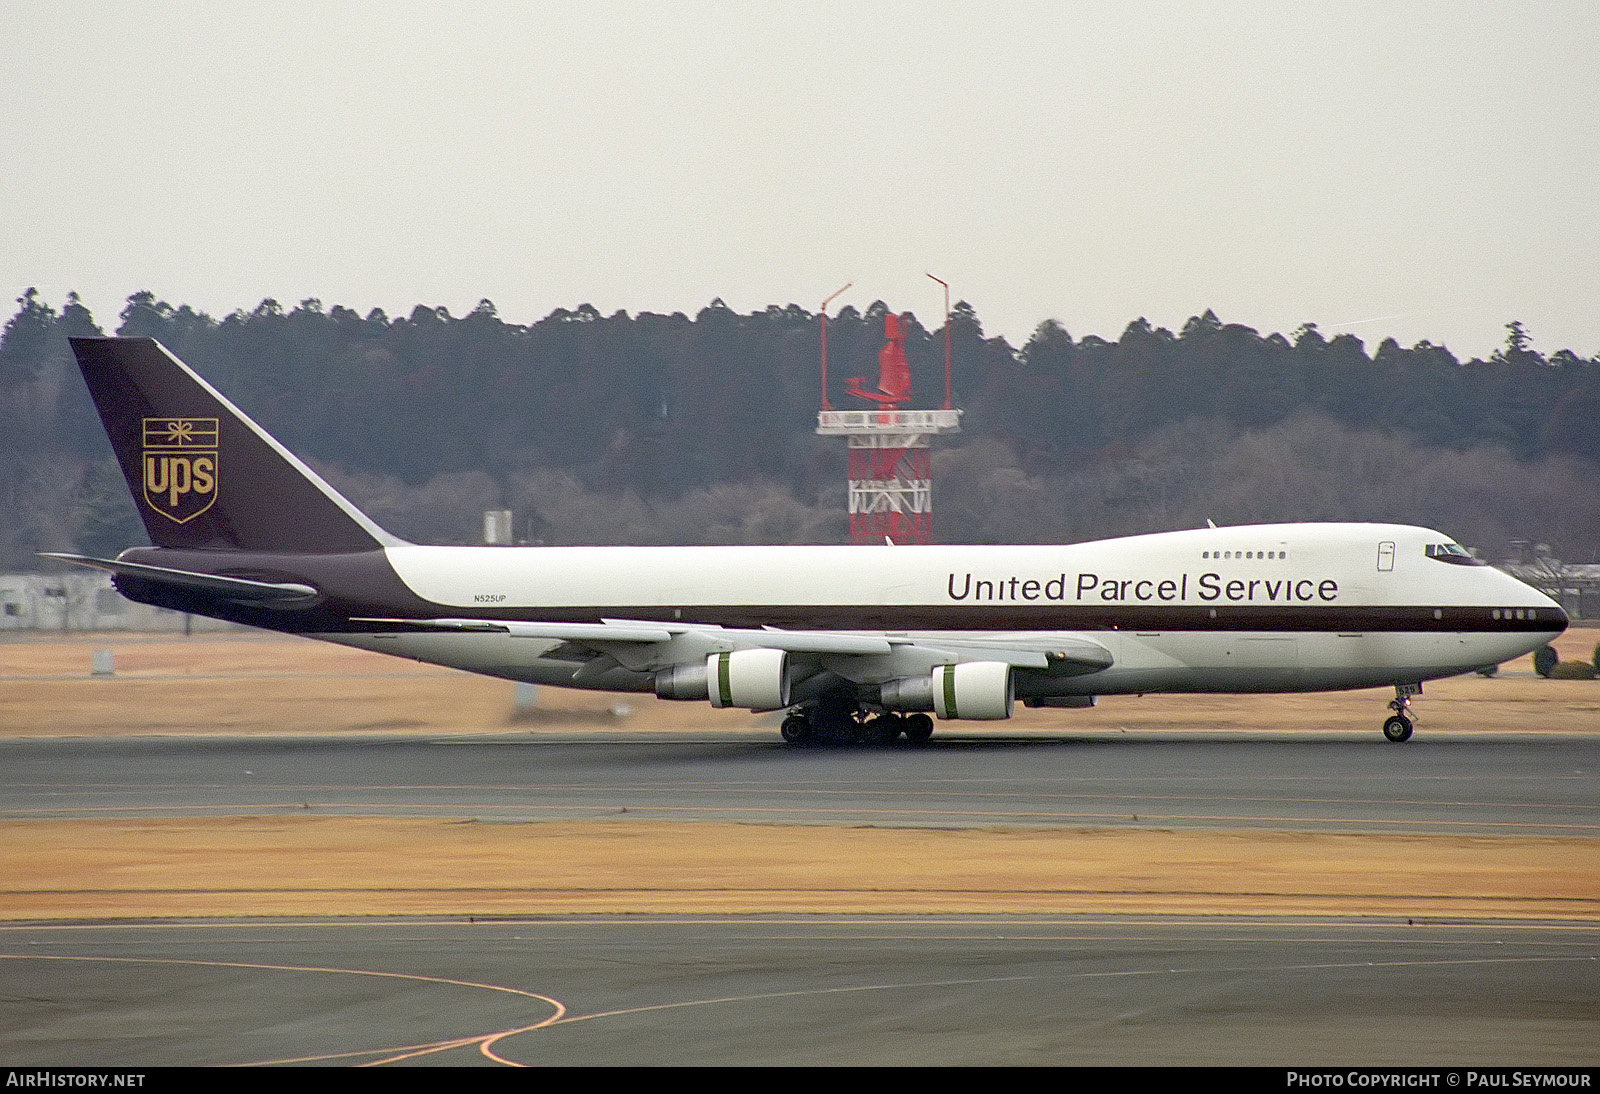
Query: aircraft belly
x=1357 y=660
x=1205 y=652
x=1270 y=662
x=1201 y=662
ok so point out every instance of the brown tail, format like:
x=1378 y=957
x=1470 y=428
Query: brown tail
x=203 y=475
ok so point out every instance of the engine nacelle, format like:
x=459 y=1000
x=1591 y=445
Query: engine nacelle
x=907 y=693
x=683 y=682
x=977 y=689
x=756 y=679
x=974 y=689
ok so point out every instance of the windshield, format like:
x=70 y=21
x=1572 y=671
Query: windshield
x=1451 y=552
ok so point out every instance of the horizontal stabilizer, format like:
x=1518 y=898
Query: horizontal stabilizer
x=234 y=588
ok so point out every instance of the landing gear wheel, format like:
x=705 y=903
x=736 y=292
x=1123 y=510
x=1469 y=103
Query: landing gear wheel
x=919 y=727
x=1397 y=729
x=881 y=729
x=833 y=723
x=797 y=729
x=854 y=730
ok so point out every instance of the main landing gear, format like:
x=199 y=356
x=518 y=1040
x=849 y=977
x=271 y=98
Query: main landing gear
x=831 y=724
x=1398 y=727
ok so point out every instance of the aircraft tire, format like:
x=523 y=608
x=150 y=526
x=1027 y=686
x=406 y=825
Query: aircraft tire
x=881 y=729
x=797 y=729
x=919 y=727
x=1397 y=729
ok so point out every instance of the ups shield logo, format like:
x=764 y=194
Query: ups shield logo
x=180 y=466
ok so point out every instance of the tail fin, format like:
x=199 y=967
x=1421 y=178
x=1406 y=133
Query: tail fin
x=203 y=475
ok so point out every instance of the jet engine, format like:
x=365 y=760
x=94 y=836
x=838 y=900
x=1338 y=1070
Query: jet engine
x=757 y=679
x=974 y=689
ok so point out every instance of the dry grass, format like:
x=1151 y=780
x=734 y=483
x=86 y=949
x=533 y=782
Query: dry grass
x=387 y=866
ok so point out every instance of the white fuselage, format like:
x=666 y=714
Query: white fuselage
x=1293 y=607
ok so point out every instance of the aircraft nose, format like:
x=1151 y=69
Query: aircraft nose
x=1561 y=617
x=1545 y=608
x=1552 y=610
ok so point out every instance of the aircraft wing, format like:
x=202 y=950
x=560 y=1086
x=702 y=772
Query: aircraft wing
x=646 y=645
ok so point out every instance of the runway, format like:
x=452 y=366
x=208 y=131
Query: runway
x=817 y=990
x=1460 y=785
x=1293 y=990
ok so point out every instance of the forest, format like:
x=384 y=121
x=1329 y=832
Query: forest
x=653 y=429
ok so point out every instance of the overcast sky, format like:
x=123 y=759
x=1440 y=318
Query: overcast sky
x=1421 y=170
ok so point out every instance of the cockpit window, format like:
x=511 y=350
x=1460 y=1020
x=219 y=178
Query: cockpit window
x=1452 y=553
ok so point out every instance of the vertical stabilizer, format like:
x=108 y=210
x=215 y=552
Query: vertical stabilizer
x=203 y=475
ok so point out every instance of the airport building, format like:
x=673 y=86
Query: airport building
x=85 y=601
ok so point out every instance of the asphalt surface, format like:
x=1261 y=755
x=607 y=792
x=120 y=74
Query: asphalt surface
x=1441 y=784
x=815 y=989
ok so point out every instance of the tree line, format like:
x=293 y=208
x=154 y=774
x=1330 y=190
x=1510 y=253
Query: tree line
x=655 y=428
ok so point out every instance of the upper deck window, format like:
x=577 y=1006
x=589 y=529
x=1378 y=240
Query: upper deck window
x=1452 y=553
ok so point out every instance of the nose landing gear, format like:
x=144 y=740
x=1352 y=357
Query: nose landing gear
x=1397 y=727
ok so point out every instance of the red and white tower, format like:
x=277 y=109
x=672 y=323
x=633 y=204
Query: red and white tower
x=891 y=465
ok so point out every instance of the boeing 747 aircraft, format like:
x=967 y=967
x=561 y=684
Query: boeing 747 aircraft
x=853 y=642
